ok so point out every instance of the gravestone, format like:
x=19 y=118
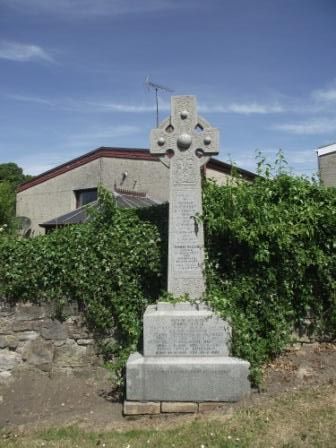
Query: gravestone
x=186 y=359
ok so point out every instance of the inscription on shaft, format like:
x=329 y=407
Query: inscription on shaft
x=187 y=253
x=185 y=141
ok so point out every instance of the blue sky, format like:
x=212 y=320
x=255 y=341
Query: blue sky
x=72 y=75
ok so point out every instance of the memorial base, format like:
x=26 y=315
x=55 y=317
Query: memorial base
x=217 y=378
x=186 y=362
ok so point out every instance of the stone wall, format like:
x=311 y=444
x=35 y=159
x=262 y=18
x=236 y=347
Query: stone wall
x=30 y=338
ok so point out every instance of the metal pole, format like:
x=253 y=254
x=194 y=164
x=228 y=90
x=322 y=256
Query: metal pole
x=157 y=107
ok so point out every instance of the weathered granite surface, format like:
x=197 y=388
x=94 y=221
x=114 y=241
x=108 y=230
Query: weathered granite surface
x=185 y=141
x=186 y=358
x=184 y=329
x=206 y=378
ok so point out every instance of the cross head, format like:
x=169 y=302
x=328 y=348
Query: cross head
x=185 y=133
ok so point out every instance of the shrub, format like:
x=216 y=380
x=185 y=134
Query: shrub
x=271 y=263
x=110 y=266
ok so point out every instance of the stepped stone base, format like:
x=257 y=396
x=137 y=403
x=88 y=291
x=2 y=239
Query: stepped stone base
x=186 y=379
x=169 y=407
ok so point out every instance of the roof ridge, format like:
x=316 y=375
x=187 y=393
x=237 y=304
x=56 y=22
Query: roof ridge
x=117 y=152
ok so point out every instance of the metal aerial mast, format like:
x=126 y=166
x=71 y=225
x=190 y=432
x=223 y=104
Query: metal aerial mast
x=156 y=87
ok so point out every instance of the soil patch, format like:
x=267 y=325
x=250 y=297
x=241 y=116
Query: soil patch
x=36 y=400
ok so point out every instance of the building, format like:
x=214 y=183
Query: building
x=326 y=156
x=135 y=177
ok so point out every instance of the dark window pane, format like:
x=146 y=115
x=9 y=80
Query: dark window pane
x=85 y=196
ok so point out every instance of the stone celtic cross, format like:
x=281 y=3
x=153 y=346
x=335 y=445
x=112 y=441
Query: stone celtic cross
x=185 y=141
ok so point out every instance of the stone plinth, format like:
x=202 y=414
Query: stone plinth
x=186 y=358
x=218 y=378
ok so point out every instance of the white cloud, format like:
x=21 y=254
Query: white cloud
x=325 y=95
x=254 y=108
x=302 y=157
x=100 y=137
x=82 y=105
x=15 y=51
x=90 y=8
x=72 y=145
x=36 y=168
x=118 y=107
x=30 y=99
x=164 y=106
x=299 y=161
x=242 y=108
x=309 y=127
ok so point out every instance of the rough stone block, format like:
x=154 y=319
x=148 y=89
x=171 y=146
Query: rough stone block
x=30 y=311
x=85 y=342
x=26 y=325
x=39 y=353
x=179 y=406
x=8 y=360
x=71 y=355
x=6 y=310
x=139 y=408
x=6 y=325
x=216 y=378
x=8 y=341
x=183 y=330
x=53 y=329
x=27 y=336
x=76 y=329
x=5 y=377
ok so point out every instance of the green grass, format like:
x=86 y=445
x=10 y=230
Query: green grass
x=296 y=419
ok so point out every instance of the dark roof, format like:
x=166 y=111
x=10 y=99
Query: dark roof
x=122 y=153
x=224 y=167
x=77 y=216
x=81 y=215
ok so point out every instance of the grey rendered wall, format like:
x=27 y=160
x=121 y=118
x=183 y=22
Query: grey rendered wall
x=55 y=196
x=145 y=176
x=327 y=167
x=220 y=178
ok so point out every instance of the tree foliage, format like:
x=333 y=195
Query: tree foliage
x=7 y=206
x=11 y=176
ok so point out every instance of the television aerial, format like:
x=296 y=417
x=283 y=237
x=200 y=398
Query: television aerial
x=156 y=87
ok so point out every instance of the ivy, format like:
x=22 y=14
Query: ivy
x=270 y=265
x=271 y=262
x=110 y=266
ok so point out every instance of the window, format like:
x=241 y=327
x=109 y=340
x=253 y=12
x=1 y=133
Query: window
x=83 y=197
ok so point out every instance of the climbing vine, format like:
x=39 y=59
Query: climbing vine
x=270 y=270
